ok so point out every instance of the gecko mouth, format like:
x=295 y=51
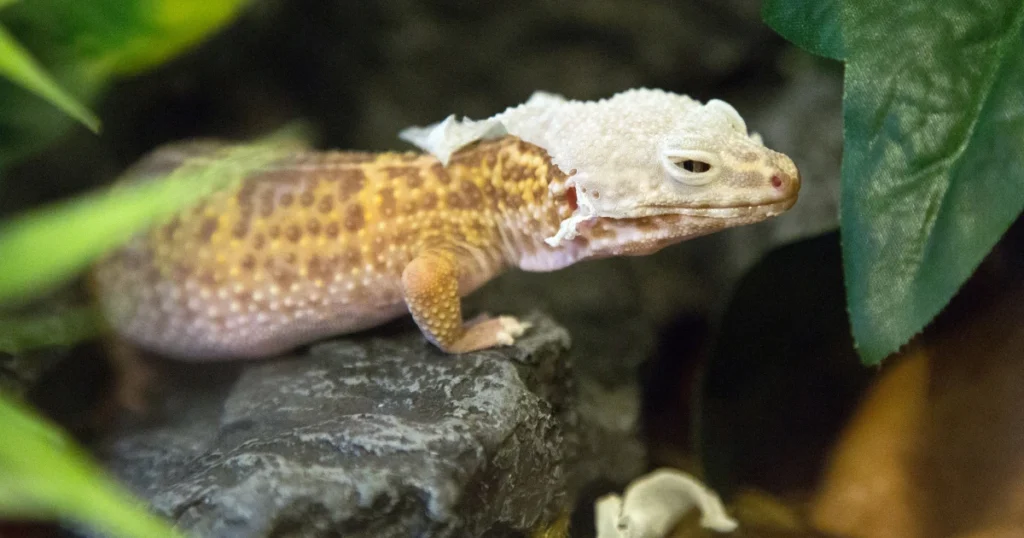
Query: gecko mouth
x=724 y=212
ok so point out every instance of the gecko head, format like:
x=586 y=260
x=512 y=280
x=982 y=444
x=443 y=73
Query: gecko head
x=646 y=167
x=696 y=175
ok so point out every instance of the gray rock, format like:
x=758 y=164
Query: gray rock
x=378 y=435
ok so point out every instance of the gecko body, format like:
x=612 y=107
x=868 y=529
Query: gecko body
x=326 y=243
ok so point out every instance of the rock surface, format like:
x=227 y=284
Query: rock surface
x=379 y=435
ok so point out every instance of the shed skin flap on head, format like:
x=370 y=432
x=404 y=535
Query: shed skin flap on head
x=642 y=153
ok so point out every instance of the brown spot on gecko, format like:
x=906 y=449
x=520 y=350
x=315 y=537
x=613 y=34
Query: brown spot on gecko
x=351 y=257
x=172 y=227
x=393 y=172
x=293 y=233
x=387 y=202
x=318 y=268
x=326 y=204
x=747 y=156
x=438 y=171
x=749 y=178
x=354 y=219
x=245 y=194
x=206 y=278
x=244 y=296
x=241 y=229
x=181 y=271
x=471 y=193
x=414 y=179
x=403 y=236
x=351 y=182
x=454 y=200
x=267 y=202
x=286 y=199
x=274 y=231
x=512 y=200
x=332 y=229
x=258 y=241
x=248 y=262
x=206 y=230
x=429 y=201
x=307 y=198
x=313 y=226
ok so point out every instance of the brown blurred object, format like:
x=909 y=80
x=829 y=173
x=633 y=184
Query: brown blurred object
x=936 y=449
x=760 y=515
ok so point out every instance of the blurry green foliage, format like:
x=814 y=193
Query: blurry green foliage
x=64 y=328
x=39 y=253
x=933 y=165
x=18 y=66
x=43 y=475
x=85 y=46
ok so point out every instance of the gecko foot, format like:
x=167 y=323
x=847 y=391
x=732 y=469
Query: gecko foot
x=485 y=332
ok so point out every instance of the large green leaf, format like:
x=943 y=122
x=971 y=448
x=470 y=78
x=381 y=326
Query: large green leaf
x=933 y=166
x=933 y=173
x=47 y=246
x=814 y=25
x=43 y=475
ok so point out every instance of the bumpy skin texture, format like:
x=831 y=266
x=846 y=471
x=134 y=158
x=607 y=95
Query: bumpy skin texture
x=325 y=243
x=328 y=243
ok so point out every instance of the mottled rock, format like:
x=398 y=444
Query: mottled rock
x=378 y=435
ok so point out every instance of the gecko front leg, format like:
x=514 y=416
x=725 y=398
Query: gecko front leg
x=430 y=285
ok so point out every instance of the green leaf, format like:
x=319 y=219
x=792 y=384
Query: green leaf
x=813 y=25
x=933 y=168
x=45 y=247
x=64 y=329
x=88 y=45
x=43 y=475
x=18 y=65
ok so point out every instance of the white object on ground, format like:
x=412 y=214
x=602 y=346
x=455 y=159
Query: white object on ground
x=655 y=503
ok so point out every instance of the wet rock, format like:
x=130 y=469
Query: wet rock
x=379 y=435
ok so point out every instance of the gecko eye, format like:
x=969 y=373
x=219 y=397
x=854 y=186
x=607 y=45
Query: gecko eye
x=690 y=167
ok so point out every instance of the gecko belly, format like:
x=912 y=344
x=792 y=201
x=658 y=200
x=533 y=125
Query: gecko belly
x=183 y=319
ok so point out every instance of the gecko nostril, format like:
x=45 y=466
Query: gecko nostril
x=776 y=181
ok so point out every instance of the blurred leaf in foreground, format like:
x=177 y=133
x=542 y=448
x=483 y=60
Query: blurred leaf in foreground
x=43 y=476
x=18 y=65
x=933 y=166
x=87 y=45
x=65 y=329
x=47 y=246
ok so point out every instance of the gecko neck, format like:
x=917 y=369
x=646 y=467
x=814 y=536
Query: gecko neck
x=525 y=196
